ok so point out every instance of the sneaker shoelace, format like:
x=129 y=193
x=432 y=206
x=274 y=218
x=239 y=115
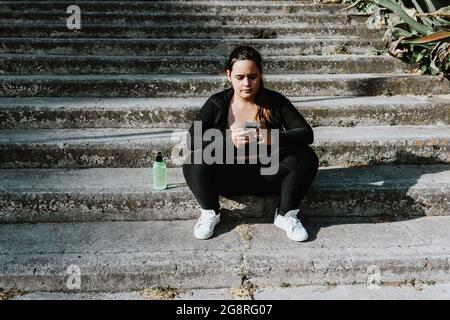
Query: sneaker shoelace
x=292 y=222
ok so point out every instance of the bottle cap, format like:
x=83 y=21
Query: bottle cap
x=159 y=157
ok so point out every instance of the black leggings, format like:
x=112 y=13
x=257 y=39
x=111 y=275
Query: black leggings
x=296 y=172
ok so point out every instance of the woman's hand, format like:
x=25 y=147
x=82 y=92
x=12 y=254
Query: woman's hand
x=241 y=137
x=264 y=136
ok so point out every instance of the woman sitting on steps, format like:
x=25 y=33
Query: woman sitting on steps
x=249 y=101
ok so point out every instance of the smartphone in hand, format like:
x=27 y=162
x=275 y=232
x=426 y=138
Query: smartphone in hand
x=252 y=126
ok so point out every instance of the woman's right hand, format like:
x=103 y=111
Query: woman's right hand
x=241 y=137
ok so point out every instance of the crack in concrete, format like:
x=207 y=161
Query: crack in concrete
x=247 y=288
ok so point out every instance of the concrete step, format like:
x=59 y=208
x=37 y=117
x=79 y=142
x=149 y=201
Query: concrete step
x=160 y=86
x=404 y=291
x=378 y=193
x=175 y=6
x=123 y=256
x=147 y=18
x=64 y=64
x=59 y=113
x=335 y=146
x=395 y=291
x=188 y=47
x=191 y=31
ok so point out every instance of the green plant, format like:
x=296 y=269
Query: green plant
x=423 y=35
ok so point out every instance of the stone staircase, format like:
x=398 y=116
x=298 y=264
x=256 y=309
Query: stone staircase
x=84 y=112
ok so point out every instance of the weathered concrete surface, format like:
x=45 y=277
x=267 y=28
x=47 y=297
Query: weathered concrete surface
x=122 y=256
x=382 y=144
x=176 y=6
x=98 y=148
x=415 y=251
x=133 y=295
x=262 y=31
x=357 y=292
x=203 y=85
x=382 y=193
x=53 y=113
x=377 y=110
x=125 y=256
x=335 y=146
x=64 y=64
x=188 y=47
x=115 y=256
x=146 y=18
x=439 y=291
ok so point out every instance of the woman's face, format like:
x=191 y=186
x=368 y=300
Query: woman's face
x=245 y=78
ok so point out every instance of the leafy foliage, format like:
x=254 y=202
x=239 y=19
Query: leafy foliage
x=423 y=35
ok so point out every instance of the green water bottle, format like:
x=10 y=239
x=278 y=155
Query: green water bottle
x=159 y=173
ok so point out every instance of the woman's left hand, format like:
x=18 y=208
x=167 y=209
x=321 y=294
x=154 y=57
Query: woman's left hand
x=264 y=136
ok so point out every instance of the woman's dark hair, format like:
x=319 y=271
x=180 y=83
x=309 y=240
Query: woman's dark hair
x=244 y=53
x=248 y=53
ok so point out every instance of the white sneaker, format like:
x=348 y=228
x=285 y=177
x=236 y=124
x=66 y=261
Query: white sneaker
x=204 y=228
x=289 y=223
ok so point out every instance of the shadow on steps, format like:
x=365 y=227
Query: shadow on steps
x=386 y=194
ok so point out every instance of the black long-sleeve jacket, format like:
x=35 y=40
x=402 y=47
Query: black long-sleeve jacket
x=294 y=130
